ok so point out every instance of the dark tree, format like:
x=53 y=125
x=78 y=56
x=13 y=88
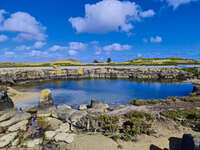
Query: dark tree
x=95 y=61
x=108 y=60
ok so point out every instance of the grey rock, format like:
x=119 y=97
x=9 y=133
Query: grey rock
x=63 y=113
x=64 y=137
x=5 y=101
x=7 y=139
x=19 y=126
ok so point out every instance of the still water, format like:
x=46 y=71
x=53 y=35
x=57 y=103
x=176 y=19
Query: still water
x=112 y=92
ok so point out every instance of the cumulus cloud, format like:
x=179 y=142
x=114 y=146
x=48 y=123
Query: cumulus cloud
x=9 y=54
x=148 y=13
x=57 y=48
x=77 y=46
x=3 y=38
x=36 y=53
x=2 y=12
x=116 y=47
x=176 y=3
x=109 y=15
x=72 y=52
x=27 y=27
x=22 y=48
x=156 y=39
x=39 y=44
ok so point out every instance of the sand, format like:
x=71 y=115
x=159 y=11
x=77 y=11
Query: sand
x=19 y=96
x=160 y=139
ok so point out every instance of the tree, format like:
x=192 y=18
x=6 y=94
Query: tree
x=108 y=60
x=95 y=61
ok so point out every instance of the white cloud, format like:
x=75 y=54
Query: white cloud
x=2 y=12
x=24 y=24
x=156 y=39
x=57 y=48
x=9 y=54
x=39 y=44
x=36 y=53
x=176 y=3
x=3 y=38
x=72 y=52
x=148 y=13
x=77 y=46
x=22 y=48
x=109 y=15
x=116 y=47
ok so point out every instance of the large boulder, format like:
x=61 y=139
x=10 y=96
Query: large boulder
x=190 y=142
x=97 y=106
x=7 y=139
x=63 y=113
x=46 y=99
x=64 y=137
x=5 y=101
x=19 y=126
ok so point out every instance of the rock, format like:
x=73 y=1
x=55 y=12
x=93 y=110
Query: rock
x=31 y=110
x=7 y=115
x=76 y=116
x=19 y=126
x=49 y=135
x=63 y=113
x=196 y=90
x=53 y=123
x=64 y=137
x=83 y=107
x=65 y=127
x=17 y=118
x=63 y=106
x=174 y=143
x=5 y=101
x=98 y=106
x=31 y=143
x=7 y=139
x=190 y=142
x=16 y=142
x=46 y=99
x=46 y=112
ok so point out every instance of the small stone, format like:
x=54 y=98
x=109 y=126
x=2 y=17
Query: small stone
x=64 y=137
x=49 y=135
x=83 y=107
x=16 y=142
x=64 y=106
x=19 y=126
x=30 y=143
x=65 y=127
x=7 y=139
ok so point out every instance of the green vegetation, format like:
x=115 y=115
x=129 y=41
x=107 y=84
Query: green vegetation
x=186 y=117
x=140 y=115
x=109 y=124
x=143 y=102
x=109 y=60
x=95 y=61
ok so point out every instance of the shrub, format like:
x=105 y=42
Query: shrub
x=126 y=137
x=109 y=123
x=145 y=102
x=140 y=115
x=115 y=137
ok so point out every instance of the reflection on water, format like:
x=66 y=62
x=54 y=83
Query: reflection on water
x=112 y=92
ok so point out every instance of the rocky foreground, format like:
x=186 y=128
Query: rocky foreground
x=142 y=125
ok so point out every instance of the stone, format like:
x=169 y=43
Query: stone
x=31 y=143
x=46 y=99
x=64 y=137
x=7 y=115
x=31 y=110
x=83 y=107
x=46 y=112
x=76 y=116
x=15 y=142
x=196 y=90
x=65 y=127
x=63 y=106
x=7 y=139
x=98 y=106
x=190 y=142
x=19 y=126
x=5 y=101
x=49 y=135
x=63 y=113
x=17 y=118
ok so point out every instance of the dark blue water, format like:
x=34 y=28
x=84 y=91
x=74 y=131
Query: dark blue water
x=112 y=92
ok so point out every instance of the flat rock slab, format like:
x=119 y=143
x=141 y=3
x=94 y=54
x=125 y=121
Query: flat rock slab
x=19 y=126
x=31 y=143
x=7 y=139
x=17 y=118
x=64 y=137
x=65 y=127
x=7 y=115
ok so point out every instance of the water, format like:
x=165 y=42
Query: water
x=112 y=92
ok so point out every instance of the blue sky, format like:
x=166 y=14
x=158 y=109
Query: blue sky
x=85 y=30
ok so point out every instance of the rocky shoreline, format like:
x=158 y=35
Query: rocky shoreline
x=27 y=76
x=57 y=128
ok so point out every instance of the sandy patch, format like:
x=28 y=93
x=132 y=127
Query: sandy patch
x=18 y=96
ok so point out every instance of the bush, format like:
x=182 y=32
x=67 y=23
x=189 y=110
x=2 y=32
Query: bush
x=135 y=126
x=115 y=137
x=140 y=115
x=108 y=123
x=126 y=137
x=145 y=102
